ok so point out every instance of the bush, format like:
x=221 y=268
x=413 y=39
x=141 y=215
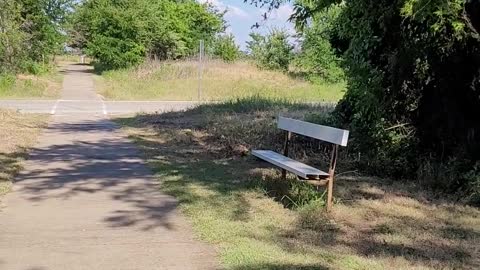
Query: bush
x=35 y=68
x=317 y=59
x=111 y=53
x=412 y=101
x=123 y=33
x=272 y=51
x=31 y=33
x=472 y=177
x=6 y=81
x=225 y=48
x=293 y=193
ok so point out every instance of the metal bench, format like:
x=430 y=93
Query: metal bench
x=303 y=171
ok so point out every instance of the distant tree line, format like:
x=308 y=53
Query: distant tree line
x=123 y=33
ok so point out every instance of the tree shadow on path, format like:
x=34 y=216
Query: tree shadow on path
x=97 y=162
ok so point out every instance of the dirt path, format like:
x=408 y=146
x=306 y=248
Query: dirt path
x=85 y=200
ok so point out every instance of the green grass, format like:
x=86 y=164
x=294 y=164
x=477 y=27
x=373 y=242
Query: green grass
x=66 y=59
x=46 y=86
x=238 y=203
x=220 y=81
x=18 y=133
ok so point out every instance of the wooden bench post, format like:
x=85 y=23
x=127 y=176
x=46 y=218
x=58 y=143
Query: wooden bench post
x=288 y=137
x=331 y=173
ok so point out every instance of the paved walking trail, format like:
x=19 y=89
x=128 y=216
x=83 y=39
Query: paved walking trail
x=85 y=200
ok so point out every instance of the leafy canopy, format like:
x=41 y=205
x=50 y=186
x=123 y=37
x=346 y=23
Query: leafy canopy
x=224 y=47
x=31 y=32
x=122 y=33
x=413 y=72
x=272 y=51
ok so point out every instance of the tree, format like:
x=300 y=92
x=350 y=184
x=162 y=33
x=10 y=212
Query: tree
x=272 y=51
x=31 y=32
x=113 y=31
x=224 y=47
x=12 y=39
x=317 y=58
x=413 y=71
x=256 y=46
x=123 y=33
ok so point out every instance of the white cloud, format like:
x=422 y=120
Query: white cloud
x=231 y=10
x=283 y=13
x=236 y=12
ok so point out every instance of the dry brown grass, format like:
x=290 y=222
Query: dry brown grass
x=375 y=224
x=178 y=80
x=400 y=225
x=18 y=133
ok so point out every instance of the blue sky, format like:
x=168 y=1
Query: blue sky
x=241 y=16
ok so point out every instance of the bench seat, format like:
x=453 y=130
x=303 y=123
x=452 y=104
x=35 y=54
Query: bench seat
x=293 y=166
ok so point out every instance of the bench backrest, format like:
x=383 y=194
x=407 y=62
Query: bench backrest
x=324 y=133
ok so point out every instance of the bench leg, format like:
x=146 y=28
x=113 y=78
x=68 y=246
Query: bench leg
x=288 y=137
x=330 y=194
x=331 y=172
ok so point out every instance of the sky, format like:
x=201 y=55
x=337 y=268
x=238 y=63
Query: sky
x=241 y=16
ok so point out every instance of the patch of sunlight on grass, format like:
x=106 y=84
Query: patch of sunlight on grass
x=244 y=223
x=5 y=186
x=375 y=224
x=220 y=81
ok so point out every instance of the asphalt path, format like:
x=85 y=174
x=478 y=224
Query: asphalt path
x=96 y=106
x=86 y=199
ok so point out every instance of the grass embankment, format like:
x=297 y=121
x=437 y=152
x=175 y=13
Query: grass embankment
x=220 y=81
x=45 y=86
x=237 y=203
x=18 y=133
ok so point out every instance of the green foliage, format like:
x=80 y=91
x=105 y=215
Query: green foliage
x=224 y=47
x=256 y=46
x=293 y=193
x=413 y=77
x=317 y=58
x=113 y=31
x=272 y=51
x=31 y=33
x=6 y=81
x=35 y=68
x=473 y=178
x=413 y=72
x=122 y=33
x=11 y=37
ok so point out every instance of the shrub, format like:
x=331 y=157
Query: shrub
x=31 y=33
x=317 y=58
x=272 y=51
x=35 y=68
x=6 y=81
x=225 y=48
x=472 y=177
x=123 y=33
x=293 y=193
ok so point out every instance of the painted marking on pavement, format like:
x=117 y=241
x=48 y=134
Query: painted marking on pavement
x=137 y=101
x=54 y=108
x=104 y=107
